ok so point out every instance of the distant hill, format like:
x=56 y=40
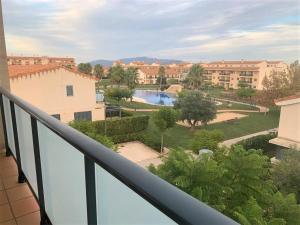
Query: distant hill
x=143 y=58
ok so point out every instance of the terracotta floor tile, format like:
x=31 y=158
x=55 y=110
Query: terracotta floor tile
x=7 y=161
x=10 y=222
x=30 y=219
x=24 y=206
x=5 y=213
x=18 y=193
x=9 y=171
x=3 y=198
x=10 y=182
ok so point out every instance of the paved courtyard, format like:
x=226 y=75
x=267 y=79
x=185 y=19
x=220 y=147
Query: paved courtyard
x=139 y=153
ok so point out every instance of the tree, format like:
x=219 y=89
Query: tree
x=295 y=74
x=164 y=119
x=131 y=77
x=245 y=92
x=116 y=74
x=236 y=182
x=161 y=79
x=98 y=71
x=119 y=93
x=194 y=79
x=195 y=108
x=85 y=68
x=286 y=173
x=206 y=139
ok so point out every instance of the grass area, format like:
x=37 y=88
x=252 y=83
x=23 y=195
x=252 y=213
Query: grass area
x=236 y=106
x=148 y=86
x=134 y=105
x=180 y=136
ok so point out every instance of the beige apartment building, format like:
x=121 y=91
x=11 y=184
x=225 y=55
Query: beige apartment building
x=230 y=74
x=63 y=93
x=289 y=123
x=148 y=73
x=40 y=60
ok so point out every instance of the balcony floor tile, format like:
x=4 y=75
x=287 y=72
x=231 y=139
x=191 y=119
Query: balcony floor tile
x=17 y=204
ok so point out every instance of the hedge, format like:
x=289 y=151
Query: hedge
x=260 y=142
x=126 y=125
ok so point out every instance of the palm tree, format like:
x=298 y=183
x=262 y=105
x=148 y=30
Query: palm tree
x=194 y=79
x=131 y=77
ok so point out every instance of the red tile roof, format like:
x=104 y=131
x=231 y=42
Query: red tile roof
x=15 y=71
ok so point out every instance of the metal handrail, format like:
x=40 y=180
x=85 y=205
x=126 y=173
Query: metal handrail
x=174 y=203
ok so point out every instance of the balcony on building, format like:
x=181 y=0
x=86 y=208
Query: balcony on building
x=53 y=174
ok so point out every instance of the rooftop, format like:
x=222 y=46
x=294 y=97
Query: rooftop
x=25 y=70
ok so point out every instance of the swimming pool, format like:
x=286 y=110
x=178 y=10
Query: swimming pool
x=156 y=97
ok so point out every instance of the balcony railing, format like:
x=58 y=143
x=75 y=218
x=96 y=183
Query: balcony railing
x=77 y=180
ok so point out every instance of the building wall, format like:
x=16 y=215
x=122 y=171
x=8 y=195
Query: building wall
x=289 y=124
x=48 y=92
x=43 y=60
x=234 y=71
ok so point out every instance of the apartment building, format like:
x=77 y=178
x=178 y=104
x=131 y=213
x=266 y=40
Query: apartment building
x=148 y=73
x=61 y=92
x=233 y=74
x=40 y=60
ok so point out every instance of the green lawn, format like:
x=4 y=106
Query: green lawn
x=180 y=136
x=236 y=106
x=134 y=105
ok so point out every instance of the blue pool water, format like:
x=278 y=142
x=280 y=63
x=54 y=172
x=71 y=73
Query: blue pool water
x=156 y=97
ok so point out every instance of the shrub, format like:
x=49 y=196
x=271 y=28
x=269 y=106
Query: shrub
x=107 y=141
x=206 y=139
x=127 y=137
x=122 y=126
x=260 y=142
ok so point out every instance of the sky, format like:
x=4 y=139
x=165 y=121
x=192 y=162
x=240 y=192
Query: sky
x=190 y=30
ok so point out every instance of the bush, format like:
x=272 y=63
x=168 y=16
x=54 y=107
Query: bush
x=127 y=137
x=122 y=126
x=260 y=142
x=117 y=114
x=172 y=81
x=87 y=128
x=205 y=139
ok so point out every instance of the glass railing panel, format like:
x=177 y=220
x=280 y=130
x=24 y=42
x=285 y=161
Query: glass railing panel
x=118 y=204
x=26 y=147
x=63 y=179
x=9 y=127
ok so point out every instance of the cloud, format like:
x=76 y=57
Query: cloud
x=187 y=29
x=284 y=38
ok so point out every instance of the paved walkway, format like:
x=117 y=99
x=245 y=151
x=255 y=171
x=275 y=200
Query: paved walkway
x=261 y=108
x=230 y=142
x=17 y=204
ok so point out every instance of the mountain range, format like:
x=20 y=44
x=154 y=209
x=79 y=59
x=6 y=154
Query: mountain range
x=145 y=59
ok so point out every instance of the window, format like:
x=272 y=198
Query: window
x=86 y=115
x=56 y=116
x=69 y=90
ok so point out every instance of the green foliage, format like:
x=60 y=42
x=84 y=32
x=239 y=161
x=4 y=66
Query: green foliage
x=295 y=73
x=87 y=128
x=164 y=119
x=195 y=108
x=121 y=126
x=205 y=139
x=116 y=74
x=194 y=79
x=161 y=79
x=85 y=68
x=172 y=81
x=131 y=77
x=119 y=93
x=286 y=173
x=235 y=181
x=260 y=142
x=98 y=71
x=245 y=92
